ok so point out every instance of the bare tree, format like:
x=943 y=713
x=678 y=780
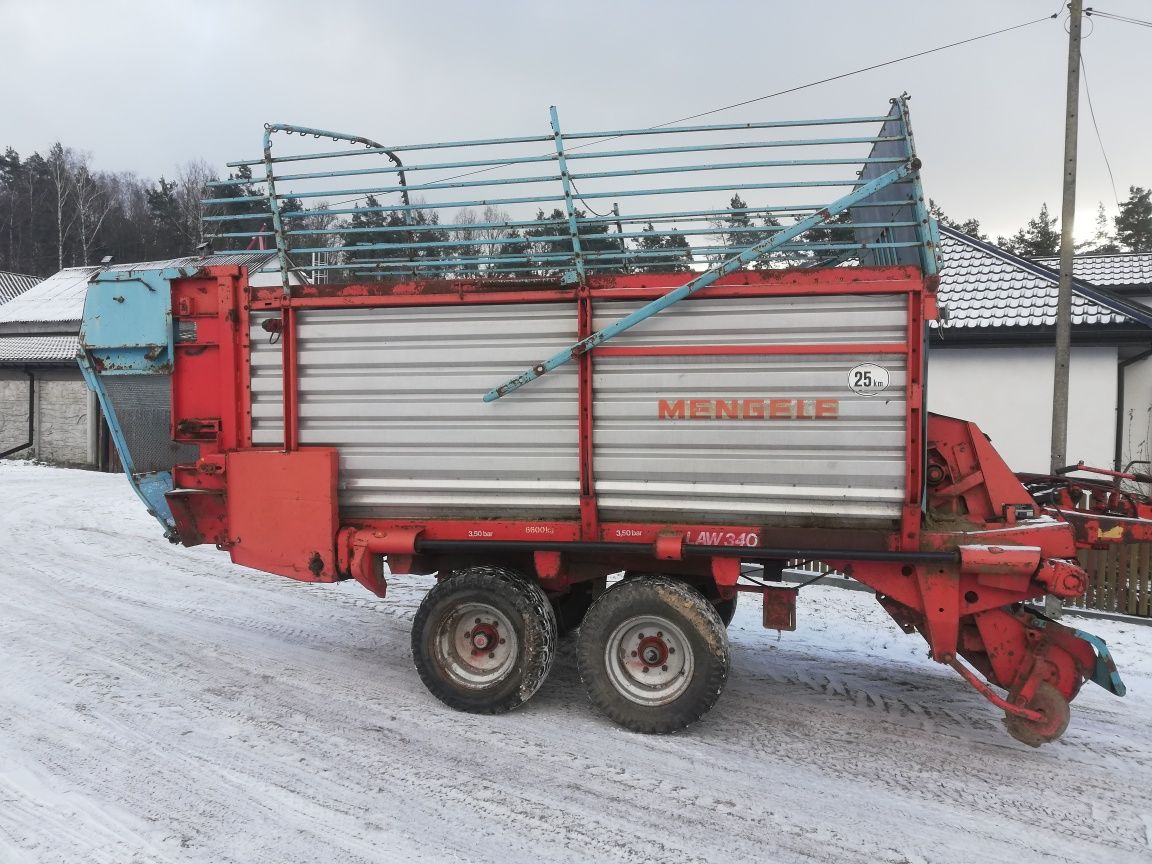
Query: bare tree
x=496 y=228
x=60 y=168
x=468 y=236
x=94 y=200
x=192 y=179
x=318 y=224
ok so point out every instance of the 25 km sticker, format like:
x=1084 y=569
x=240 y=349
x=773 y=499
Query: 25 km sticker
x=868 y=379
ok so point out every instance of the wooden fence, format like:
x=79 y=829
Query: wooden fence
x=1119 y=579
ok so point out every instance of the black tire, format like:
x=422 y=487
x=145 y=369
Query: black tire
x=472 y=609
x=726 y=609
x=683 y=637
x=570 y=608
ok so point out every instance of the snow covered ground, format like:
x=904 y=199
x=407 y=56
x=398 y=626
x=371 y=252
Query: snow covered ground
x=158 y=704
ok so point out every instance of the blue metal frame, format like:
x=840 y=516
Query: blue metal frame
x=149 y=487
x=888 y=228
x=566 y=183
x=127 y=331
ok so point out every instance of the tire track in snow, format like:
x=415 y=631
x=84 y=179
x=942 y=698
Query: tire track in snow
x=250 y=718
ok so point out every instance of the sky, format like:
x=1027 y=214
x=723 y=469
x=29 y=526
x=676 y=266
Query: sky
x=147 y=86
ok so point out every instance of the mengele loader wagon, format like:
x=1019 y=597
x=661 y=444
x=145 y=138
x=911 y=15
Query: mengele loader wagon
x=637 y=383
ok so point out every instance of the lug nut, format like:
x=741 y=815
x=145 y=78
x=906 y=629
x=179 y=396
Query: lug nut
x=502 y=641
x=663 y=668
x=645 y=668
x=492 y=656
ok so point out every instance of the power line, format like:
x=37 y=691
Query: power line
x=771 y=95
x=844 y=75
x=1111 y=16
x=1092 y=114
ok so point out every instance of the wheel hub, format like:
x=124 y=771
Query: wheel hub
x=653 y=651
x=476 y=645
x=484 y=637
x=649 y=660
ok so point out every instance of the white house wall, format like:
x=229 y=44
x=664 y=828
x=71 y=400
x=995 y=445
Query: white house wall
x=1136 y=422
x=1008 y=393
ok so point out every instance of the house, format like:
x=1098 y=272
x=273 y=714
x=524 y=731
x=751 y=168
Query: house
x=46 y=410
x=992 y=360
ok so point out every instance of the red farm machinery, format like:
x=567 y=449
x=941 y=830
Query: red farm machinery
x=474 y=361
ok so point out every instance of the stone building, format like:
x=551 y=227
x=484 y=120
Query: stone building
x=46 y=412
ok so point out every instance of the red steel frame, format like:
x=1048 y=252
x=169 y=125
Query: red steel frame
x=888 y=280
x=956 y=600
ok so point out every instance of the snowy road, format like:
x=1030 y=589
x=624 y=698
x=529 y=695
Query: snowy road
x=158 y=704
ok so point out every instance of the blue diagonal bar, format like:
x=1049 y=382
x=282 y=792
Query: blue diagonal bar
x=705 y=279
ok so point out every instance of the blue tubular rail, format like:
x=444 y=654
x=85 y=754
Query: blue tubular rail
x=568 y=207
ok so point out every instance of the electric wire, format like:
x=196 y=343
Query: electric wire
x=836 y=77
x=1092 y=114
x=1094 y=13
x=784 y=92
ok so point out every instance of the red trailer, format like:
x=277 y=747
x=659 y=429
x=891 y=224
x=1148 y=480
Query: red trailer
x=700 y=389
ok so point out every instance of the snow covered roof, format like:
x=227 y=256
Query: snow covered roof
x=38 y=349
x=251 y=260
x=984 y=286
x=59 y=299
x=12 y=285
x=1122 y=270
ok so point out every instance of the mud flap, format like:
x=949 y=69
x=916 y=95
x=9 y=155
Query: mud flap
x=282 y=511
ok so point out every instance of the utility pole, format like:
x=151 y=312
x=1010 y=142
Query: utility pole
x=1067 y=218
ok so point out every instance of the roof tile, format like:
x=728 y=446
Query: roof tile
x=981 y=289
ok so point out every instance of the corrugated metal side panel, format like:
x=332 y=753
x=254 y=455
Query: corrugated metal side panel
x=791 y=470
x=399 y=391
x=834 y=320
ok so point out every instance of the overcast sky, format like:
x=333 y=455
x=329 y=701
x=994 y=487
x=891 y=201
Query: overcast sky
x=146 y=86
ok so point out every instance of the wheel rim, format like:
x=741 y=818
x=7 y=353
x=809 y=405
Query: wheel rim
x=649 y=660
x=1051 y=703
x=476 y=646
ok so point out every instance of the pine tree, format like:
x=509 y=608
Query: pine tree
x=1102 y=241
x=167 y=236
x=1038 y=239
x=359 y=234
x=1134 y=224
x=736 y=231
x=971 y=227
x=594 y=238
x=668 y=253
